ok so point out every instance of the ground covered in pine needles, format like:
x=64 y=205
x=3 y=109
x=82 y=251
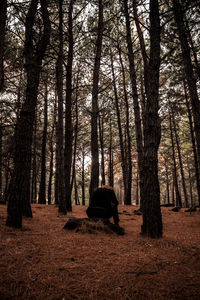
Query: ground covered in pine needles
x=45 y=261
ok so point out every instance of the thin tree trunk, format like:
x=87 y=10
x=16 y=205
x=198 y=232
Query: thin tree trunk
x=83 y=178
x=3 y=16
x=68 y=112
x=178 y=196
x=51 y=159
x=1 y=166
x=34 y=165
x=121 y=142
x=173 y=188
x=50 y=175
x=60 y=190
x=42 y=190
x=193 y=144
x=94 y=180
x=129 y=154
x=138 y=128
x=188 y=67
x=19 y=190
x=101 y=138
x=167 y=180
x=137 y=188
x=180 y=160
x=77 y=202
x=190 y=184
x=76 y=127
x=110 y=171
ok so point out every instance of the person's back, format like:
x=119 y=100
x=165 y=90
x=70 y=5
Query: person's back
x=103 y=204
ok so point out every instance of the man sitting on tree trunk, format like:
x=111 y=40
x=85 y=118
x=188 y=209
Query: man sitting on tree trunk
x=103 y=204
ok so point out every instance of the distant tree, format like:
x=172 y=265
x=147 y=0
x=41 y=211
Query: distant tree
x=193 y=142
x=19 y=190
x=121 y=140
x=94 y=181
x=175 y=175
x=68 y=111
x=42 y=190
x=134 y=94
x=3 y=16
x=188 y=67
x=179 y=157
x=59 y=132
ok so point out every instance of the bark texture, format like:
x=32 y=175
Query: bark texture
x=152 y=218
x=188 y=67
x=19 y=190
x=94 y=180
x=68 y=112
x=3 y=16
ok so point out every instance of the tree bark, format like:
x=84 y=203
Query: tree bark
x=42 y=190
x=152 y=218
x=34 y=164
x=188 y=67
x=129 y=154
x=1 y=166
x=19 y=190
x=193 y=143
x=83 y=178
x=3 y=16
x=138 y=128
x=101 y=138
x=180 y=160
x=110 y=170
x=175 y=176
x=60 y=137
x=51 y=158
x=167 y=180
x=121 y=142
x=68 y=112
x=94 y=180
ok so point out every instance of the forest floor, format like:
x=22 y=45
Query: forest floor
x=45 y=261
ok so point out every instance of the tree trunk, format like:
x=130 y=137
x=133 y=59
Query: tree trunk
x=34 y=165
x=101 y=137
x=180 y=160
x=19 y=190
x=121 y=142
x=1 y=166
x=110 y=171
x=188 y=67
x=178 y=196
x=193 y=144
x=138 y=128
x=129 y=154
x=3 y=16
x=190 y=183
x=51 y=159
x=50 y=175
x=152 y=218
x=60 y=147
x=167 y=181
x=94 y=180
x=76 y=127
x=42 y=190
x=68 y=112
x=83 y=178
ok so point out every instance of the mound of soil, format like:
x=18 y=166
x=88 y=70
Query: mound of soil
x=45 y=261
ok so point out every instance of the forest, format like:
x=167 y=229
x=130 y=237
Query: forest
x=99 y=93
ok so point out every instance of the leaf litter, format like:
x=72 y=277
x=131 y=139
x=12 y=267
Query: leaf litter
x=45 y=261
